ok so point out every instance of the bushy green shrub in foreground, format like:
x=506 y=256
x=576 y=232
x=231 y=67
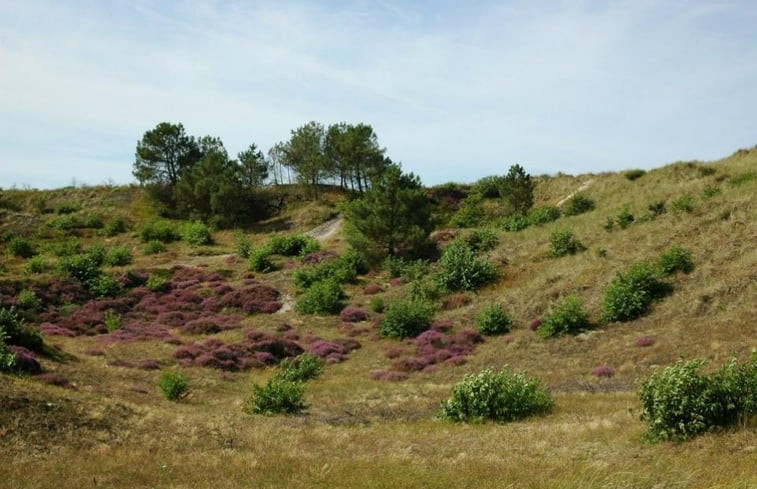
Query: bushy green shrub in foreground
x=499 y=397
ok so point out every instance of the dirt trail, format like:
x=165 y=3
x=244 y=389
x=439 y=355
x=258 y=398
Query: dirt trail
x=326 y=230
x=583 y=187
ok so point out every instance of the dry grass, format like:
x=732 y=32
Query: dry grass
x=114 y=429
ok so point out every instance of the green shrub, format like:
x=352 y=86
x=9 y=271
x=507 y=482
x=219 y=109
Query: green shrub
x=500 y=397
x=278 y=396
x=66 y=208
x=164 y=231
x=157 y=283
x=67 y=247
x=154 y=247
x=344 y=269
x=578 y=204
x=630 y=294
x=543 y=215
x=173 y=385
x=21 y=247
x=7 y=359
x=470 y=214
x=28 y=300
x=394 y=265
x=196 y=233
x=489 y=187
x=624 y=218
x=83 y=267
x=105 y=285
x=97 y=252
x=675 y=259
x=461 y=269
x=482 y=240
x=678 y=402
x=35 y=265
x=243 y=246
x=564 y=243
x=514 y=222
x=742 y=178
x=297 y=245
x=493 y=320
x=634 y=174
x=112 y=320
x=517 y=189
x=115 y=226
x=684 y=203
x=66 y=222
x=406 y=318
x=323 y=297
x=377 y=304
x=93 y=221
x=710 y=191
x=301 y=368
x=14 y=331
x=657 y=208
x=118 y=257
x=568 y=317
x=260 y=260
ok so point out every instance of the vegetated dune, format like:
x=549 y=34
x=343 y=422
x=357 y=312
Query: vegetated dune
x=96 y=417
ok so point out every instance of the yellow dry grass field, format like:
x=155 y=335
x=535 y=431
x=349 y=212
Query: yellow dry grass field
x=111 y=427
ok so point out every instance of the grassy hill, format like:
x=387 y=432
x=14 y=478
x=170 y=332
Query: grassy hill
x=106 y=423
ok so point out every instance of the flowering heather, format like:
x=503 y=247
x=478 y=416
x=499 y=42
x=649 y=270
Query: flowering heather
x=214 y=353
x=138 y=389
x=172 y=318
x=390 y=375
x=318 y=256
x=456 y=360
x=55 y=330
x=138 y=331
x=132 y=279
x=291 y=335
x=328 y=350
x=394 y=352
x=534 y=324
x=252 y=298
x=53 y=379
x=352 y=314
x=395 y=281
x=411 y=364
x=443 y=325
x=95 y=352
x=120 y=363
x=371 y=289
x=455 y=301
x=603 y=371
x=645 y=341
x=26 y=361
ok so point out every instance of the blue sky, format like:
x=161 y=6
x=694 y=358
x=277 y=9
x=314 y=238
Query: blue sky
x=454 y=90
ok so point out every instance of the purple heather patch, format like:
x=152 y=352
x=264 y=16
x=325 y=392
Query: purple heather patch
x=645 y=341
x=26 y=361
x=389 y=375
x=318 y=256
x=371 y=289
x=352 y=314
x=603 y=371
x=53 y=379
x=95 y=352
x=534 y=325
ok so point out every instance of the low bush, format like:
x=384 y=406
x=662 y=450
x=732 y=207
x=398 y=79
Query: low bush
x=323 y=297
x=196 y=233
x=260 y=260
x=278 y=396
x=21 y=247
x=514 y=222
x=105 y=285
x=657 y=208
x=28 y=300
x=624 y=218
x=93 y=221
x=630 y=294
x=710 y=191
x=678 y=402
x=83 y=267
x=406 y=318
x=118 y=257
x=489 y=187
x=157 y=283
x=300 y=368
x=163 y=231
x=578 y=204
x=471 y=214
x=243 y=245
x=675 y=259
x=344 y=269
x=112 y=320
x=684 y=203
x=501 y=397
x=154 y=247
x=543 y=215
x=482 y=240
x=377 y=304
x=115 y=226
x=7 y=358
x=173 y=385
x=66 y=208
x=634 y=174
x=564 y=243
x=36 y=265
x=461 y=269
x=493 y=320
x=14 y=331
x=297 y=245
x=742 y=178
x=568 y=317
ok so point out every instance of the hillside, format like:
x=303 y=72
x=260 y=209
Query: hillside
x=373 y=419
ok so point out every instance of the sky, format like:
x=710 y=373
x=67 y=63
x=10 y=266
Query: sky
x=454 y=90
